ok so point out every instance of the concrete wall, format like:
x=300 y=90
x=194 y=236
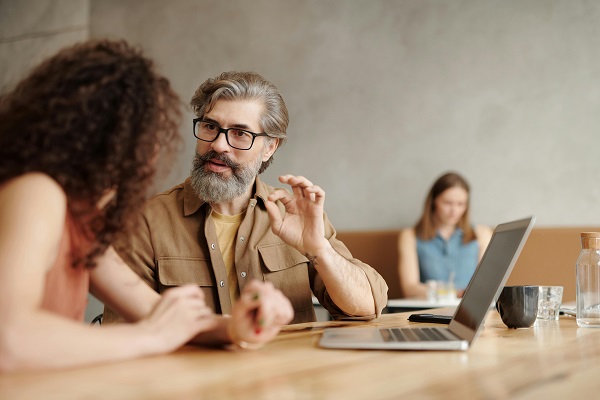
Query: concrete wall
x=31 y=30
x=385 y=95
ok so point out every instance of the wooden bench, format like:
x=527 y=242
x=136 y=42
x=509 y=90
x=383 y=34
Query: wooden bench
x=548 y=258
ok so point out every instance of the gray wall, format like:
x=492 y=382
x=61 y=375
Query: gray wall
x=384 y=95
x=31 y=30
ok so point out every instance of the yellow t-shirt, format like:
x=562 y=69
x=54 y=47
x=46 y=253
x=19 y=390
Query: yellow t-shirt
x=227 y=227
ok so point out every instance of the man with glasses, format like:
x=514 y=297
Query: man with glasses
x=223 y=226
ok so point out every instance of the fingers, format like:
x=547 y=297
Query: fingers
x=301 y=187
x=260 y=312
x=253 y=298
x=279 y=309
x=207 y=323
x=280 y=194
x=274 y=215
x=316 y=194
x=178 y=316
x=186 y=298
x=273 y=308
x=298 y=184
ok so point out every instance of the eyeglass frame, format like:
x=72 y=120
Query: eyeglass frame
x=226 y=132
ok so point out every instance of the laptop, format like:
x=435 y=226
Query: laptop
x=483 y=290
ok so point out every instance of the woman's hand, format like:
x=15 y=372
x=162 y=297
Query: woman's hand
x=179 y=315
x=258 y=315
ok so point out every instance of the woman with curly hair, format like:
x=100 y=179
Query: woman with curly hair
x=80 y=140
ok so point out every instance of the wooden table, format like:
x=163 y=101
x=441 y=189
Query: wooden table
x=549 y=360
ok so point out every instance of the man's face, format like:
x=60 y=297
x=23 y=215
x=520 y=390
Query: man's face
x=221 y=173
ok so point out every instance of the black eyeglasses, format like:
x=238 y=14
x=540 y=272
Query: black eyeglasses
x=239 y=139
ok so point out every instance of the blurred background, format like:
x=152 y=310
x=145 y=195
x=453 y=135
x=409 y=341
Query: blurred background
x=384 y=95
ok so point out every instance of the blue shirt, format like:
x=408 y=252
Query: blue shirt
x=438 y=257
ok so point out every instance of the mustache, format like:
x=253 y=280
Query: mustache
x=213 y=155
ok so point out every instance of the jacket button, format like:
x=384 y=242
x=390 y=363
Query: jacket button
x=242 y=238
x=212 y=246
x=243 y=274
x=222 y=283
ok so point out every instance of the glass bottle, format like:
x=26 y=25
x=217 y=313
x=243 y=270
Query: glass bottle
x=588 y=281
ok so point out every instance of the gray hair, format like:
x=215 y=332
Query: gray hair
x=246 y=86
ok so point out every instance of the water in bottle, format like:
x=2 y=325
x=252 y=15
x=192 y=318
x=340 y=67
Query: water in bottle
x=588 y=281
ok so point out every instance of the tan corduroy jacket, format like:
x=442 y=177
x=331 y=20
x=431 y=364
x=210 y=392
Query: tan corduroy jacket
x=176 y=244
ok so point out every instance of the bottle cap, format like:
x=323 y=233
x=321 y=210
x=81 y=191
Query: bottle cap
x=590 y=240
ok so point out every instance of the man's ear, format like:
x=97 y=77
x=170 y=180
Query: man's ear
x=270 y=148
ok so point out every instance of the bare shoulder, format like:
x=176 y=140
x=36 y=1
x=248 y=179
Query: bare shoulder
x=32 y=220
x=484 y=233
x=407 y=236
x=408 y=232
x=31 y=200
x=31 y=184
x=483 y=229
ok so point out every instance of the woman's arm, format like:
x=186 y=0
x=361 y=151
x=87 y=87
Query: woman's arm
x=120 y=288
x=484 y=235
x=32 y=220
x=257 y=316
x=408 y=268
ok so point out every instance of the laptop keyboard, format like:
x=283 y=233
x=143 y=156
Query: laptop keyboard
x=412 y=334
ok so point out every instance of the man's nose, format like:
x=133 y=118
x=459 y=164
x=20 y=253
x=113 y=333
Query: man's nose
x=220 y=144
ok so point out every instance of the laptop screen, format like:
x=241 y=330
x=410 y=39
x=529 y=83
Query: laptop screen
x=491 y=274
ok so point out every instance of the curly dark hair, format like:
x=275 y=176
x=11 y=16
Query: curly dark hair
x=94 y=117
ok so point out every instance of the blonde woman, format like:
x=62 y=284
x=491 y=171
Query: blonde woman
x=443 y=245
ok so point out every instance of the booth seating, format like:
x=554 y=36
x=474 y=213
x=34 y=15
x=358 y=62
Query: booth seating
x=548 y=258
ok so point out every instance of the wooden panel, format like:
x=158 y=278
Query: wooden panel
x=379 y=249
x=549 y=258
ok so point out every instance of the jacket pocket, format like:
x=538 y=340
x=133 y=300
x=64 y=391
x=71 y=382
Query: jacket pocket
x=173 y=272
x=287 y=269
x=279 y=257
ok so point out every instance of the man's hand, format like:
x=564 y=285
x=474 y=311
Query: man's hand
x=302 y=227
x=258 y=315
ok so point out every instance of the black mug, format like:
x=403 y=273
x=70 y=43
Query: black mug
x=518 y=306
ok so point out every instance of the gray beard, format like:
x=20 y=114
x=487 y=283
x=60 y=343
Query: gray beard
x=213 y=187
